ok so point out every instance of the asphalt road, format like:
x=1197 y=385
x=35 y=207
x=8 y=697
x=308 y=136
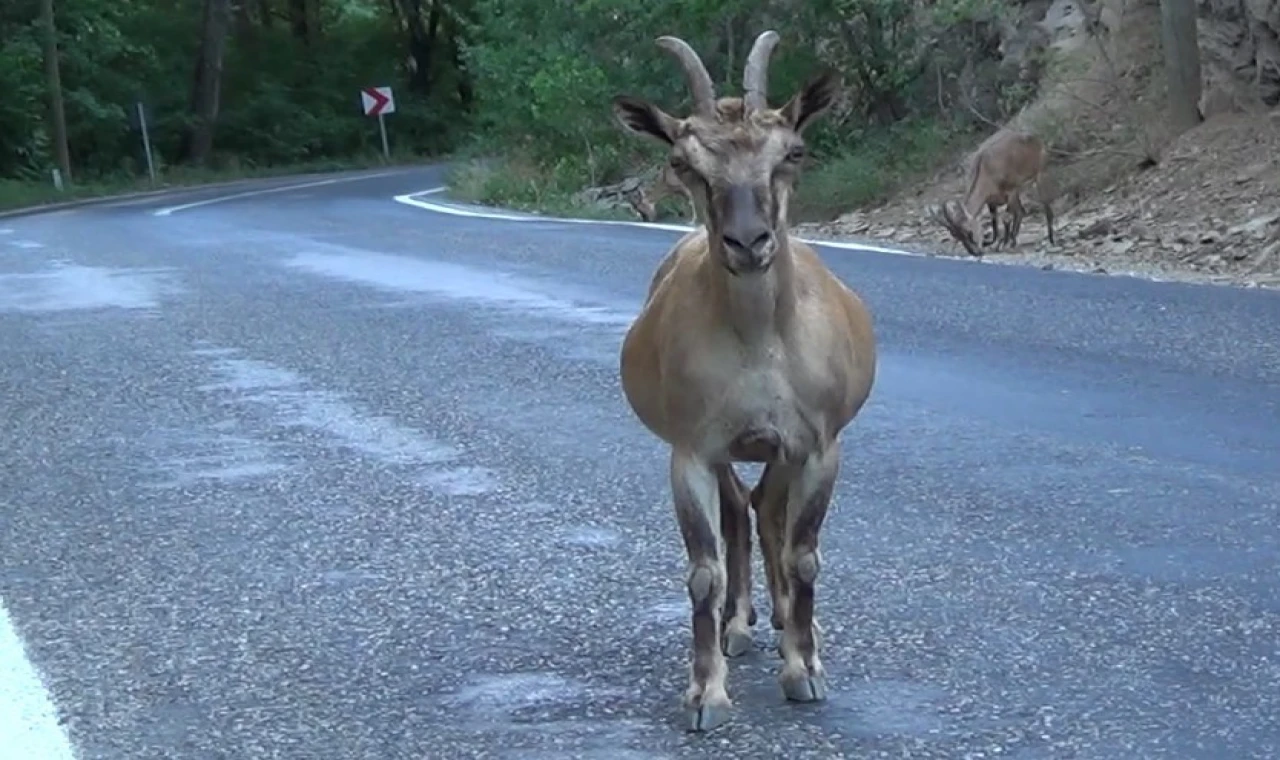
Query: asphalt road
x=317 y=474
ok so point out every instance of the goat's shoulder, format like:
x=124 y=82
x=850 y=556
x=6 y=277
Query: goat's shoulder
x=687 y=253
x=824 y=293
x=814 y=277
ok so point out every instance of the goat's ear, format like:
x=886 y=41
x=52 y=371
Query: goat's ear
x=816 y=97
x=644 y=118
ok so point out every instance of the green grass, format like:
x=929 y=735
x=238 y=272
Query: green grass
x=19 y=194
x=876 y=165
x=516 y=183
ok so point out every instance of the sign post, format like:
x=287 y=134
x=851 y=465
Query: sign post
x=146 y=139
x=382 y=128
x=378 y=101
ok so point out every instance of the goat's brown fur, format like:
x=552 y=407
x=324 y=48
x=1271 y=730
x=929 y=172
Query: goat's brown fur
x=747 y=349
x=668 y=181
x=1003 y=165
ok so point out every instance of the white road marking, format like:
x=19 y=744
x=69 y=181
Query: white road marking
x=28 y=244
x=128 y=202
x=29 y=725
x=414 y=199
x=456 y=281
x=67 y=287
x=5 y=231
x=219 y=199
x=295 y=402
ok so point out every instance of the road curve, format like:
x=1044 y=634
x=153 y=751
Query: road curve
x=313 y=473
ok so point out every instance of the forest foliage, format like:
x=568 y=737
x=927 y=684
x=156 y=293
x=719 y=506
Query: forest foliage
x=523 y=83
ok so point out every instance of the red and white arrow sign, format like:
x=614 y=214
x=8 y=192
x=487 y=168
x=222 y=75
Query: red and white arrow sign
x=377 y=101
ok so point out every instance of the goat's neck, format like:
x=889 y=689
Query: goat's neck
x=758 y=305
x=976 y=198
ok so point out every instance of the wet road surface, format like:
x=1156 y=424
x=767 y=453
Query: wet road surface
x=317 y=474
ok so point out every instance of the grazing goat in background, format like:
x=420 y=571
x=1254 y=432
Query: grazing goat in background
x=747 y=349
x=665 y=185
x=1002 y=166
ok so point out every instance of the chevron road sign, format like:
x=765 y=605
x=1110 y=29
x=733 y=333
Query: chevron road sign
x=378 y=101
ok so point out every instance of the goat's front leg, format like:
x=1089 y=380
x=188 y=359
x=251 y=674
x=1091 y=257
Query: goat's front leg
x=995 y=225
x=809 y=494
x=697 y=504
x=735 y=524
x=769 y=499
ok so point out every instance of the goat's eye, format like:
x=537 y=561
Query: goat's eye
x=678 y=163
x=796 y=154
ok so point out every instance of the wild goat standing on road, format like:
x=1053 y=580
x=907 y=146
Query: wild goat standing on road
x=748 y=349
x=1001 y=167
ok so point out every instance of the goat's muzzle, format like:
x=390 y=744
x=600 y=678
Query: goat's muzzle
x=942 y=215
x=749 y=249
x=748 y=239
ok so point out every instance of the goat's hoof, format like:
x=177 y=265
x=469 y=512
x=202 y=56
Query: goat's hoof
x=804 y=687
x=705 y=717
x=737 y=643
x=727 y=614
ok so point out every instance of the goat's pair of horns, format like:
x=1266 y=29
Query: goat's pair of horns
x=942 y=215
x=755 y=76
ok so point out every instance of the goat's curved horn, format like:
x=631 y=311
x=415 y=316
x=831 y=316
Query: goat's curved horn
x=958 y=230
x=704 y=94
x=755 y=76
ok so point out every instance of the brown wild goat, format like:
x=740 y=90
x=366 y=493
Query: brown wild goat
x=666 y=184
x=747 y=349
x=1001 y=167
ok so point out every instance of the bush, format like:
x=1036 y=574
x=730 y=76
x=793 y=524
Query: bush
x=879 y=165
x=544 y=115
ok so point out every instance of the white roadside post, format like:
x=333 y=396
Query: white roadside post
x=141 y=112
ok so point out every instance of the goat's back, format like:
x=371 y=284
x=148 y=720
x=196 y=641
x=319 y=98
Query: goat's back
x=1011 y=158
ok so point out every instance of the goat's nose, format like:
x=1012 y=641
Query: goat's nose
x=751 y=239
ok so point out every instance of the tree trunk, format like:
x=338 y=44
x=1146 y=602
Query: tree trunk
x=300 y=20
x=243 y=21
x=207 y=90
x=53 y=75
x=422 y=40
x=466 y=94
x=1181 y=61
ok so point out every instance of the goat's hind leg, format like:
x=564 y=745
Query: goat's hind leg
x=697 y=503
x=809 y=494
x=1017 y=212
x=739 y=615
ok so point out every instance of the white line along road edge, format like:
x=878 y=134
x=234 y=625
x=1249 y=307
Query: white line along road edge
x=414 y=199
x=219 y=199
x=29 y=728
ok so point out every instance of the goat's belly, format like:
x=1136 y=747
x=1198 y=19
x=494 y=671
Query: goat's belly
x=758 y=420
